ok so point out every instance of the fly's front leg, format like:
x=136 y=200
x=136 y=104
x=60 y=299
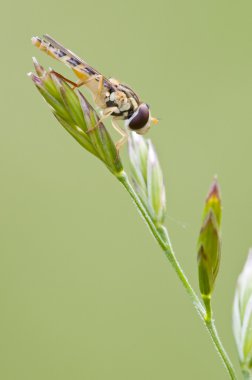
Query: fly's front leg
x=122 y=132
x=106 y=113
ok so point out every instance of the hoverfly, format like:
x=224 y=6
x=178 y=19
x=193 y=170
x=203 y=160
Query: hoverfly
x=112 y=97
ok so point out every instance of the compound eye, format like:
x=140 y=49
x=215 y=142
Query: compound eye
x=140 y=118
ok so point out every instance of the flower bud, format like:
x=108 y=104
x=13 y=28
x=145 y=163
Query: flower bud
x=242 y=317
x=147 y=176
x=138 y=155
x=77 y=116
x=155 y=186
x=209 y=244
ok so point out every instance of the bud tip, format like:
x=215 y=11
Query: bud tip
x=34 y=78
x=214 y=191
x=152 y=154
x=34 y=60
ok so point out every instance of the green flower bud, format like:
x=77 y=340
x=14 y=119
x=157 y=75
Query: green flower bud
x=242 y=317
x=209 y=244
x=103 y=144
x=147 y=177
x=77 y=116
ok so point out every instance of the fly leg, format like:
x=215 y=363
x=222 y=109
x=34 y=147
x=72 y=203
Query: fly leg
x=106 y=113
x=123 y=133
x=62 y=77
x=81 y=82
x=100 y=88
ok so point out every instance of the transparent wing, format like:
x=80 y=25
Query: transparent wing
x=78 y=65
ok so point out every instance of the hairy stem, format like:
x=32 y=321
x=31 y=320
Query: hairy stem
x=219 y=347
x=161 y=235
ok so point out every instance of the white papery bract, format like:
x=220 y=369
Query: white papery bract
x=242 y=315
x=147 y=177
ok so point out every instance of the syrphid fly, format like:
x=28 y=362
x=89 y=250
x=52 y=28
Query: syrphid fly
x=112 y=97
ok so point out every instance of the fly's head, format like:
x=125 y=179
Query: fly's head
x=141 y=119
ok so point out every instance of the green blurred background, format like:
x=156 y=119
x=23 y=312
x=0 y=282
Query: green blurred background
x=86 y=292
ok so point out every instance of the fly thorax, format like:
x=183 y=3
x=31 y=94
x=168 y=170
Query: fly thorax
x=119 y=100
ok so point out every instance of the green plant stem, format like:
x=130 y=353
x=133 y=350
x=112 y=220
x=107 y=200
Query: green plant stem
x=207 y=302
x=162 y=237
